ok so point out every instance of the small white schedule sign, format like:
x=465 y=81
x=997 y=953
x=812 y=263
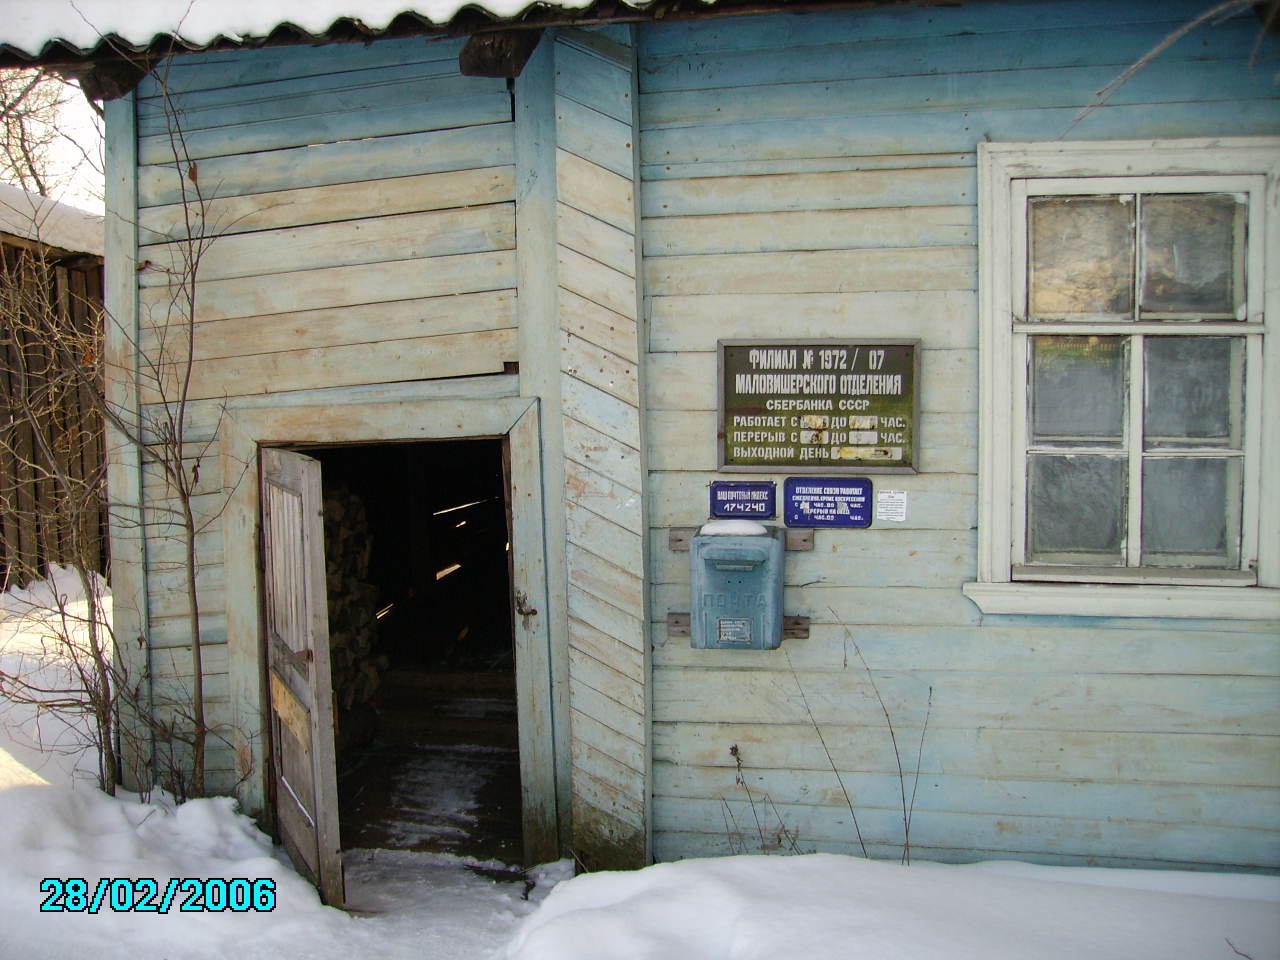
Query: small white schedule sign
x=891 y=505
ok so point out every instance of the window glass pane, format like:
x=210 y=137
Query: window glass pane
x=1195 y=391
x=1191 y=512
x=1077 y=389
x=1192 y=253
x=1075 y=509
x=1082 y=255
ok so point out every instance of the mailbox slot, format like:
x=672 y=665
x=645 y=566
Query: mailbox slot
x=736 y=591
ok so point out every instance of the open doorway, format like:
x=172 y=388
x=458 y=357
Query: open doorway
x=418 y=576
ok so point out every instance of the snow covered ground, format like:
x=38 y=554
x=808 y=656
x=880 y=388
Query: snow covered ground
x=436 y=906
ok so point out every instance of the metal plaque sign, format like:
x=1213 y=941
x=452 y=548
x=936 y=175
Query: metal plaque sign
x=821 y=406
x=757 y=499
x=827 y=502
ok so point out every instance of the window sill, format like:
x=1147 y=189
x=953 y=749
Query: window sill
x=1126 y=600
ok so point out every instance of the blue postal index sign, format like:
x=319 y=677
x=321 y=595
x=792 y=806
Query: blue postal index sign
x=756 y=499
x=827 y=502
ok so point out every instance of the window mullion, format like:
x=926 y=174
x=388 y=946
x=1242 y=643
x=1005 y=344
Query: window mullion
x=1018 y=431
x=1134 y=444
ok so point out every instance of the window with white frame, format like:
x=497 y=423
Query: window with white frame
x=1126 y=454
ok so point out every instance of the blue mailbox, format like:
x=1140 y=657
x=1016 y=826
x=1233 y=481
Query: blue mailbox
x=736 y=581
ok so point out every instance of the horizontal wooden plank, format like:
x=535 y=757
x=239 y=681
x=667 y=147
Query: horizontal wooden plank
x=937 y=606
x=420 y=358
x=322 y=246
x=415 y=115
x=1058 y=702
x=935 y=501
x=464 y=148
x=612 y=459
x=838 y=271
x=1208 y=805
x=176 y=631
x=594 y=190
x=316 y=96
x=958 y=131
x=201 y=464
x=328 y=204
x=237 y=68
x=596 y=239
x=1050 y=756
x=339 y=287
x=606 y=498
x=898 y=227
x=599 y=325
x=604 y=796
x=600 y=411
x=593 y=81
x=622 y=656
x=927 y=186
x=596 y=282
x=176 y=661
x=593 y=574
x=945 y=835
x=1080 y=650
x=752 y=167
x=1010 y=18
x=594 y=136
x=850 y=54
x=361 y=323
x=599 y=368
x=1003 y=89
x=603 y=538
x=880 y=556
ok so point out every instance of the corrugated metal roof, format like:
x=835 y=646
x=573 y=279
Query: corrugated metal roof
x=62 y=30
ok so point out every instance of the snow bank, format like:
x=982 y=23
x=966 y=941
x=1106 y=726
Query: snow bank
x=826 y=906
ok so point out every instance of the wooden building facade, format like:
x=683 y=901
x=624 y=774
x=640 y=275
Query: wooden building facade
x=401 y=253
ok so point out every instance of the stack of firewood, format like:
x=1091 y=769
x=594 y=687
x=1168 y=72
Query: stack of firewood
x=353 y=601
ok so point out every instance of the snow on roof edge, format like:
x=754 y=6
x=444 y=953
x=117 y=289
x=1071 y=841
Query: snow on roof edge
x=35 y=31
x=33 y=217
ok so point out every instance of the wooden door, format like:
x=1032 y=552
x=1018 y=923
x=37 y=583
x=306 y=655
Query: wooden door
x=300 y=690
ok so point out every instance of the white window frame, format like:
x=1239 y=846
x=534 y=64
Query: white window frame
x=1007 y=174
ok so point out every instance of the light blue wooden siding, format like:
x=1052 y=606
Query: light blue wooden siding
x=359 y=212
x=813 y=175
x=596 y=268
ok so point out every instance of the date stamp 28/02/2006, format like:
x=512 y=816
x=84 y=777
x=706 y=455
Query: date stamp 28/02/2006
x=146 y=895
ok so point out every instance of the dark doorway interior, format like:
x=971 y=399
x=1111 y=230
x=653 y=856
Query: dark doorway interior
x=417 y=556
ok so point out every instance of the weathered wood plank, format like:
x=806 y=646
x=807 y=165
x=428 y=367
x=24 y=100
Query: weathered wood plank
x=838 y=271
x=606 y=581
x=750 y=167
x=420 y=358
x=329 y=204
x=602 y=537
x=464 y=148
x=1049 y=756
x=176 y=631
x=851 y=54
x=316 y=96
x=596 y=239
x=594 y=136
x=810 y=230
x=622 y=657
x=599 y=325
x=1150 y=704
x=605 y=797
x=622 y=691
x=943 y=186
x=935 y=606
x=341 y=287
x=590 y=702
x=594 y=82
x=593 y=733
x=599 y=368
x=600 y=411
x=612 y=459
x=596 y=282
x=954 y=132
x=607 y=617
x=361 y=323
x=415 y=115
x=326 y=245
x=593 y=491
x=594 y=190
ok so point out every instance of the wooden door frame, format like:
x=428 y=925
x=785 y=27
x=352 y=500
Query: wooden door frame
x=245 y=430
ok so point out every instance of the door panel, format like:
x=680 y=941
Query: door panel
x=299 y=683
